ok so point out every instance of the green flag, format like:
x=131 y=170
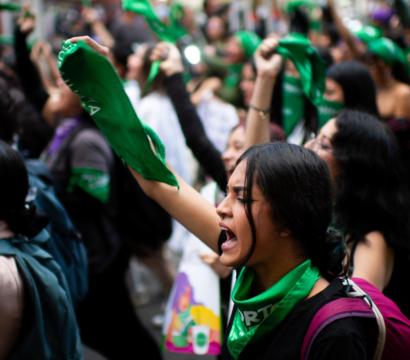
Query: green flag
x=171 y=32
x=9 y=6
x=94 y=79
x=298 y=49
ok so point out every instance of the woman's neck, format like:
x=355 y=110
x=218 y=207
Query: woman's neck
x=269 y=274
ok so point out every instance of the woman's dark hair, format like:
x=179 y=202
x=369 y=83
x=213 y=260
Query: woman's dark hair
x=359 y=89
x=299 y=21
x=370 y=190
x=19 y=216
x=296 y=183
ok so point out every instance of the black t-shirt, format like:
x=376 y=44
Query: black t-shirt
x=348 y=338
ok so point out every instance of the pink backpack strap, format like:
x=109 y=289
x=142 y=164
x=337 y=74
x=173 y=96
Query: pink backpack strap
x=334 y=310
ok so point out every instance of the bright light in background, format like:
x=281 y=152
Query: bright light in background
x=192 y=54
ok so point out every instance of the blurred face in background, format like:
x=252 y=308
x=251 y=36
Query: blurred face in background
x=135 y=63
x=234 y=148
x=247 y=83
x=233 y=51
x=215 y=29
x=333 y=91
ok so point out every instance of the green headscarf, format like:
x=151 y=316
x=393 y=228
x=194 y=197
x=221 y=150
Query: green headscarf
x=102 y=94
x=298 y=49
x=249 y=42
x=387 y=50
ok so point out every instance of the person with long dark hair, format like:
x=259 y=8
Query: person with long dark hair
x=370 y=200
x=349 y=85
x=36 y=309
x=273 y=227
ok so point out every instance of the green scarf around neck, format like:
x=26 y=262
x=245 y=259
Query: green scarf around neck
x=259 y=315
x=298 y=49
x=93 y=78
x=328 y=110
x=293 y=103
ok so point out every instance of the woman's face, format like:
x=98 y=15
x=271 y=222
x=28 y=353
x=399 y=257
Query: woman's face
x=215 y=28
x=234 y=149
x=234 y=51
x=234 y=221
x=333 y=91
x=247 y=83
x=322 y=146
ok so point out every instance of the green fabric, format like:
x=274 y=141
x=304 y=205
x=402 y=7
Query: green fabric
x=298 y=49
x=291 y=6
x=9 y=6
x=92 y=181
x=259 y=315
x=94 y=79
x=249 y=42
x=387 y=50
x=293 y=103
x=328 y=110
x=367 y=33
x=6 y=40
x=153 y=72
x=171 y=32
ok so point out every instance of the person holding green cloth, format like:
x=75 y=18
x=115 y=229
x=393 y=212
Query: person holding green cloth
x=274 y=233
x=240 y=47
x=391 y=72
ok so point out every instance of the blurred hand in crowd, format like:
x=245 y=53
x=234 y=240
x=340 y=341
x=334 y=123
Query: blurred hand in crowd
x=170 y=57
x=267 y=62
x=26 y=20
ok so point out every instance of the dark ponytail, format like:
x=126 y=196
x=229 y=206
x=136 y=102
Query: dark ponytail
x=19 y=215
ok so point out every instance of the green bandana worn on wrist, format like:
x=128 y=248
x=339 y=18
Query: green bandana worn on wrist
x=249 y=42
x=258 y=316
x=94 y=79
x=293 y=103
x=328 y=110
x=10 y=7
x=298 y=49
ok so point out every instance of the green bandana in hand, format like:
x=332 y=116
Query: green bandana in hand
x=328 y=110
x=293 y=103
x=10 y=7
x=249 y=42
x=298 y=49
x=171 y=33
x=94 y=79
x=258 y=316
x=388 y=51
x=291 y=6
x=367 y=33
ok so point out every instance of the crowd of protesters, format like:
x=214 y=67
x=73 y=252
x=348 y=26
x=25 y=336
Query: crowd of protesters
x=302 y=133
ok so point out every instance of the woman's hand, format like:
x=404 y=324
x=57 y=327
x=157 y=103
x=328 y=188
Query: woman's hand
x=268 y=64
x=170 y=57
x=26 y=20
x=212 y=259
x=102 y=50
